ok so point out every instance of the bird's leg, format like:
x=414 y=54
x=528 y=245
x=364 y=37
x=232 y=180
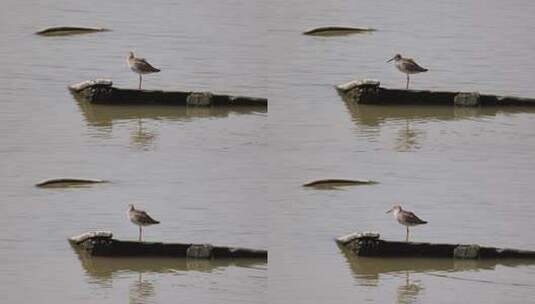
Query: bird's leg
x=140 y=81
x=140 y=232
x=407 y=234
x=407 y=81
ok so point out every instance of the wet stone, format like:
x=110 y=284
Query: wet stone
x=466 y=252
x=467 y=99
x=201 y=251
x=199 y=99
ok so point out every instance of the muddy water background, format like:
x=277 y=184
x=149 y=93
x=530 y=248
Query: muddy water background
x=197 y=171
x=233 y=178
x=469 y=172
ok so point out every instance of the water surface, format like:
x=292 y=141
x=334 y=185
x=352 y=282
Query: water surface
x=195 y=170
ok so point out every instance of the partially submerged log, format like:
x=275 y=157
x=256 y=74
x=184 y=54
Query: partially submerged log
x=69 y=30
x=332 y=183
x=101 y=91
x=101 y=243
x=370 y=92
x=370 y=245
x=337 y=30
x=68 y=182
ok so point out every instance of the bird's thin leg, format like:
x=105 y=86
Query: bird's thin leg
x=140 y=232
x=140 y=81
x=407 y=81
x=407 y=233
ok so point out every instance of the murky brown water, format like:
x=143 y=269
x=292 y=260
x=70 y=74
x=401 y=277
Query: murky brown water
x=195 y=170
x=232 y=177
x=468 y=172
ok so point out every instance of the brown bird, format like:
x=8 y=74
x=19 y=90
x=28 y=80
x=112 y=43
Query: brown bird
x=140 y=66
x=140 y=218
x=406 y=218
x=407 y=66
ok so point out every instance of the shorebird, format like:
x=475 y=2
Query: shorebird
x=140 y=66
x=407 y=66
x=140 y=218
x=406 y=218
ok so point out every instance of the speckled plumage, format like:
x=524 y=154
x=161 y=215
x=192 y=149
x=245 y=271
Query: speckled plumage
x=406 y=218
x=140 y=66
x=407 y=66
x=140 y=218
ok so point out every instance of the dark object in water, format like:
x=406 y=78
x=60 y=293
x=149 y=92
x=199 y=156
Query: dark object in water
x=337 y=30
x=338 y=183
x=370 y=245
x=101 y=91
x=370 y=92
x=69 y=30
x=68 y=182
x=101 y=243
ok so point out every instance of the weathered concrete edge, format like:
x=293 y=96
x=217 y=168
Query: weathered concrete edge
x=80 y=86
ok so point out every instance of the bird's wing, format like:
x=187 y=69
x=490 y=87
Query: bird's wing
x=415 y=219
x=147 y=218
x=412 y=62
x=143 y=62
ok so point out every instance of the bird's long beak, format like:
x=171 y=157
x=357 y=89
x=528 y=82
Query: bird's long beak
x=390 y=210
x=389 y=61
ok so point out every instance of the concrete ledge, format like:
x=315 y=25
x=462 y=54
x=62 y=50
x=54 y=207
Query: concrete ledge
x=102 y=91
x=370 y=92
x=370 y=245
x=101 y=243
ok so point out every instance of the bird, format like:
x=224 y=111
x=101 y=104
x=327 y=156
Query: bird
x=407 y=66
x=140 y=66
x=140 y=218
x=406 y=218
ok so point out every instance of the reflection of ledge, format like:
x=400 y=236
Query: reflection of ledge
x=375 y=115
x=105 y=115
x=368 y=258
x=105 y=267
x=371 y=267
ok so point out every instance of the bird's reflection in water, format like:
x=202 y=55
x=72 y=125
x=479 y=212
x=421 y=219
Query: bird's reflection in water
x=144 y=273
x=408 y=139
x=372 y=271
x=408 y=291
x=103 y=120
x=141 y=291
x=143 y=138
x=373 y=120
